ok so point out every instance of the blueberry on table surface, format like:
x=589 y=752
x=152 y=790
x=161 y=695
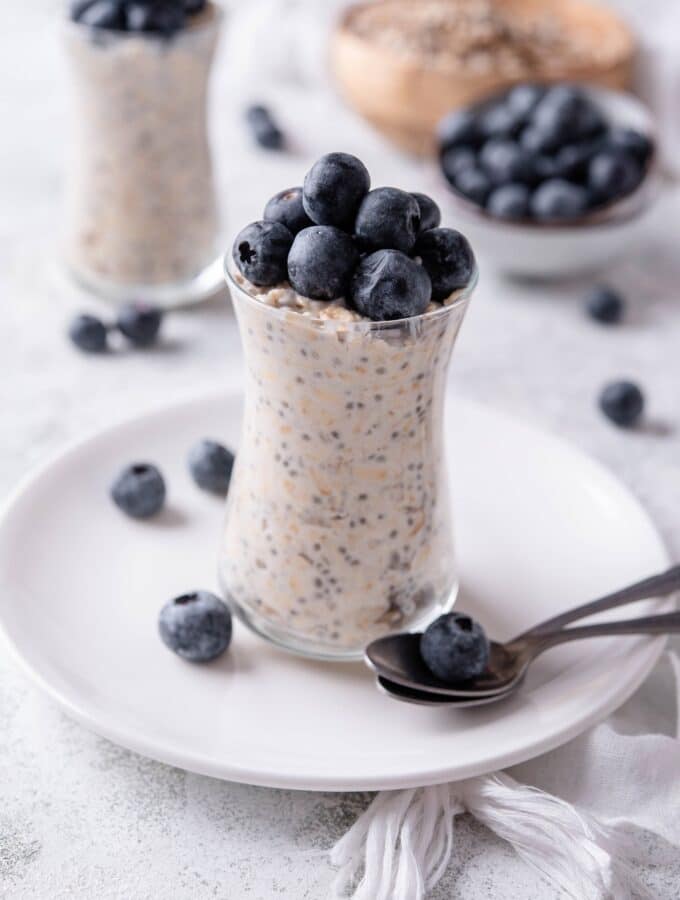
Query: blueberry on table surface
x=100 y=14
x=88 y=333
x=622 y=402
x=140 y=323
x=557 y=198
x=211 y=464
x=504 y=160
x=474 y=184
x=458 y=128
x=388 y=219
x=263 y=127
x=509 y=201
x=139 y=490
x=455 y=648
x=260 y=251
x=321 y=262
x=604 y=304
x=334 y=188
x=448 y=259
x=455 y=160
x=390 y=285
x=287 y=209
x=612 y=173
x=196 y=626
x=430 y=214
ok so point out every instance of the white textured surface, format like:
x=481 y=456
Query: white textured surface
x=81 y=818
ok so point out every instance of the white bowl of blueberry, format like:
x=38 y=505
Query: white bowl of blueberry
x=550 y=181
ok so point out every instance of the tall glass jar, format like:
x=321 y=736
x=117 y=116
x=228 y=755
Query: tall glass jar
x=142 y=216
x=338 y=526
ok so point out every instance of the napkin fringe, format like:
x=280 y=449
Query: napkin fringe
x=400 y=847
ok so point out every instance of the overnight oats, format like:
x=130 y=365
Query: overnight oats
x=142 y=215
x=338 y=524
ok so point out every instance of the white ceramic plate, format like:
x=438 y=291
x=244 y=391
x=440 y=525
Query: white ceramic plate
x=540 y=528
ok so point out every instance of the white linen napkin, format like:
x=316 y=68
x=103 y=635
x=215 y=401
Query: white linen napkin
x=577 y=814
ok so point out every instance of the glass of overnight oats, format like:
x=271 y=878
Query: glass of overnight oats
x=338 y=526
x=142 y=215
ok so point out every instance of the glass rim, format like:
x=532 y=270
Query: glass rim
x=217 y=14
x=284 y=312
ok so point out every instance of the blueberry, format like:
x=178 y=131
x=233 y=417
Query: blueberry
x=509 y=201
x=565 y=112
x=140 y=323
x=286 y=208
x=524 y=98
x=639 y=145
x=101 y=14
x=455 y=160
x=500 y=121
x=321 y=262
x=448 y=259
x=210 y=464
x=539 y=139
x=612 y=173
x=263 y=127
x=260 y=251
x=389 y=285
x=558 y=199
x=158 y=16
x=455 y=648
x=88 y=333
x=504 y=160
x=430 y=214
x=571 y=160
x=139 y=490
x=458 y=128
x=622 y=402
x=196 y=626
x=604 y=304
x=334 y=188
x=474 y=184
x=388 y=219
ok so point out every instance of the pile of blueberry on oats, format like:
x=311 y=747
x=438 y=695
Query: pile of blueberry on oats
x=381 y=251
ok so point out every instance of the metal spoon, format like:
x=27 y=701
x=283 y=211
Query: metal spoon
x=397 y=658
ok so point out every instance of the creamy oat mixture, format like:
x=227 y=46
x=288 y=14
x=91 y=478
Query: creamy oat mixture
x=142 y=204
x=338 y=526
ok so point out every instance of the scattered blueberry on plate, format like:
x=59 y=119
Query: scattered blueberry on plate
x=139 y=490
x=455 y=648
x=622 y=402
x=211 y=464
x=196 y=626
x=88 y=333
x=604 y=304
x=554 y=140
x=263 y=127
x=140 y=323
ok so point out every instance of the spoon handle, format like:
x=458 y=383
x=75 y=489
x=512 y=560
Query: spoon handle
x=657 y=586
x=662 y=624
